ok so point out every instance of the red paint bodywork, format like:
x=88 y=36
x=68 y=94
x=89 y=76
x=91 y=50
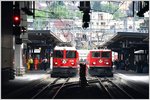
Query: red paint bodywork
x=99 y=61
x=69 y=62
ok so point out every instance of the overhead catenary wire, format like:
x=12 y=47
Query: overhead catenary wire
x=112 y=16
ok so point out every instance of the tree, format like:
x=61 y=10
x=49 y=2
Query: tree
x=96 y=6
x=40 y=13
x=61 y=11
x=118 y=15
x=108 y=8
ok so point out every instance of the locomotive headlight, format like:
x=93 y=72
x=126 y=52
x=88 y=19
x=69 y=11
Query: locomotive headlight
x=107 y=63
x=72 y=63
x=94 y=63
x=56 y=63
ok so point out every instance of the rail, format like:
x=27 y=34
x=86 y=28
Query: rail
x=60 y=88
x=44 y=88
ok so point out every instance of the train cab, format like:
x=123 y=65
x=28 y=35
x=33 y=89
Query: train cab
x=65 y=62
x=99 y=62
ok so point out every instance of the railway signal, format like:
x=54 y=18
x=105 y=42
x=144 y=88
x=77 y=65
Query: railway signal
x=86 y=17
x=85 y=7
x=16 y=21
x=85 y=25
x=16 y=17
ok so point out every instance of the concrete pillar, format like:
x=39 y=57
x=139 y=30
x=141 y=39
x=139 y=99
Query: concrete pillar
x=20 y=70
x=7 y=41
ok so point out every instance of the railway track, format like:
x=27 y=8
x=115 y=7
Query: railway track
x=111 y=87
x=137 y=91
x=59 y=89
x=119 y=90
x=51 y=90
x=44 y=88
x=32 y=90
x=20 y=90
x=56 y=89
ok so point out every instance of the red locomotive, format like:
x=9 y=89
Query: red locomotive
x=99 y=62
x=65 y=62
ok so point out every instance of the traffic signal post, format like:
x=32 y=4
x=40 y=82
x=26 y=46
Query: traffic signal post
x=85 y=7
x=17 y=30
x=16 y=21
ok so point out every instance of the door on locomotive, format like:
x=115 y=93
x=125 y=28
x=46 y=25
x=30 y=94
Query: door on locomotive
x=65 y=62
x=100 y=63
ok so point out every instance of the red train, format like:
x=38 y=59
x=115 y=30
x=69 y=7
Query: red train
x=65 y=62
x=99 y=62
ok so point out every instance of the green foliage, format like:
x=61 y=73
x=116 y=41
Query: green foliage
x=54 y=11
x=40 y=13
x=60 y=11
x=96 y=6
x=108 y=8
x=118 y=15
x=78 y=14
x=40 y=23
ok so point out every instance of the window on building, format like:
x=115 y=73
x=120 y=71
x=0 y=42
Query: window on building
x=100 y=16
x=103 y=23
x=97 y=23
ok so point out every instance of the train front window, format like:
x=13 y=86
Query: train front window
x=105 y=54
x=58 y=54
x=95 y=54
x=70 y=54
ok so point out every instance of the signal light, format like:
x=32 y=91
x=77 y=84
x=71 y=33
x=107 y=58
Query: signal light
x=84 y=5
x=16 y=17
x=23 y=29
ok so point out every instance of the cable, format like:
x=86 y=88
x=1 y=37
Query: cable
x=110 y=18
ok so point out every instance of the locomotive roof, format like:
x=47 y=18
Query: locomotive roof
x=64 y=48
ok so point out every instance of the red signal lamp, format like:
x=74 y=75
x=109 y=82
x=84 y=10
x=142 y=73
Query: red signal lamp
x=16 y=18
